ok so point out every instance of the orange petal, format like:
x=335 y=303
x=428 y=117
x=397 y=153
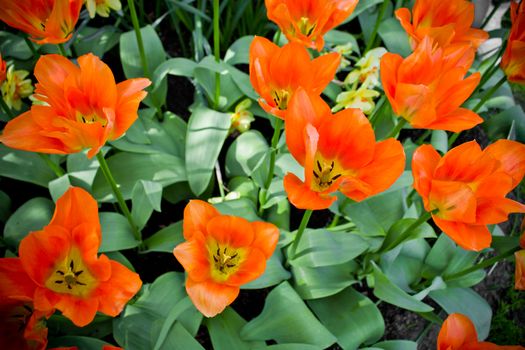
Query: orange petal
x=456 y=331
x=289 y=66
x=323 y=69
x=80 y=311
x=519 y=277
x=495 y=210
x=16 y=284
x=196 y=216
x=266 y=237
x=87 y=241
x=230 y=230
x=459 y=120
x=511 y=155
x=302 y=197
x=424 y=162
x=249 y=270
x=210 y=298
x=455 y=201
x=97 y=81
x=194 y=257
x=129 y=94
x=389 y=66
x=469 y=237
x=114 y=294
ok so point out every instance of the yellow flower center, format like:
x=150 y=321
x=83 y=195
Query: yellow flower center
x=305 y=27
x=281 y=98
x=224 y=261
x=91 y=118
x=325 y=173
x=71 y=276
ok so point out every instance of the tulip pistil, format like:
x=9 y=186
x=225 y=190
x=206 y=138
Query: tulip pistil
x=324 y=174
x=305 y=27
x=281 y=98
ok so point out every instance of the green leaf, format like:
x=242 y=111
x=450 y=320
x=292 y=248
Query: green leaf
x=145 y=198
x=59 y=186
x=207 y=130
x=396 y=345
x=239 y=207
x=96 y=40
x=177 y=192
x=100 y=327
x=394 y=37
x=446 y=258
x=116 y=233
x=499 y=125
x=132 y=64
x=224 y=331
x=467 y=302
x=5 y=206
x=274 y=273
x=362 y=5
x=246 y=155
x=439 y=140
x=179 y=308
x=33 y=215
x=387 y=291
x=12 y=45
x=337 y=37
x=166 y=239
x=178 y=338
x=323 y=248
x=84 y=343
x=128 y=168
x=286 y=319
x=400 y=227
x=178 y=66
x=24 y=166
x=239 y=51
x=351 y=317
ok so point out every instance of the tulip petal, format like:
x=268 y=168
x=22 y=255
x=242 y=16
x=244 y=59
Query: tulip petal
x=197 y=214
x=519 y=275
x=302 y=197
x=130 y=93
x=511 y=155
x=455 y=201
x=80 y=311
x=210 y=298
x=424 y=162
x=469 y=237
x=495 y=210
x=456 y=331
x=266 y=237
x=249 y=270
x=230 y=230
x=459 y=120
x=194 y=257
x=16 y=284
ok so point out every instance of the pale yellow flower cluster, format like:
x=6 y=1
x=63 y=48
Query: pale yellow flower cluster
x=16 y=87
x=102 y=7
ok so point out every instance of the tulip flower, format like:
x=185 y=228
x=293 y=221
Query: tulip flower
x=338 y=152
x=102 y=7
x=276 y=73
x=46 y=21
x=512 y=61
x=447 y=22
x=220 y=254
x=21 y=327
x=307 y=21
x=59 y=267
x=458 y=333
x=428 y=87
x=83 y=107
x=3 y=70
x=465 y=189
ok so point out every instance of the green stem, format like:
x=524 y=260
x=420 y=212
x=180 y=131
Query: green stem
x=62 y=50
x=218 y=175
x=423 y=137
x=483 y=264
x=6 y=109
x=335 y=221
x=489 y=93
x=380 y=16
x=138 y=34
x=59 y=172
x=121 y=202
x=300 y=231
x=341 y=227
x=379 y=107
x=403 y=236
x=217 y=49
x=397 y=129
x=275 y=139
x=493 y=68
x=31 y=47
x=453 y=139
x=486 y=21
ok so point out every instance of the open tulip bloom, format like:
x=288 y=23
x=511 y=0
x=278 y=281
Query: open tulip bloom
x=220 y=254
x=306 y=21
x=338 y=152
x=428 y=87
x=276 y=73
x=447 y=22
x=83 y=107
x=59 y=267
x=512 y=61
x=465 y=189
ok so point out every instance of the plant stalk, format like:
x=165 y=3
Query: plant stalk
x=489 y=93
x=217 y=49
x=138 y=34
x=59 y=172
x=397 y=128
x=62 y=50
x=304 y=222
x=422 y=219
x=380 y=16
x=121 y=202
x=6 y=109
x=275 y=139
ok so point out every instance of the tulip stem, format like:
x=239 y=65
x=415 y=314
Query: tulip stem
x=31 y=47
x=300 y=231
x=59 y=172
x=121 y=202
x=138 y=34
x=380 y=16
x=6 y=108
x=275 y=139
x=62 y=50
x=217 y=50
x=489 y=93
x=397 y=129
x=406 y=233
x=493 y=68
x=483 y=264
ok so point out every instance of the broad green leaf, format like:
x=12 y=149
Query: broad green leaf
x=116 y=233
x=467 y=302
x=207 y=130
x=84 y=343
x=128 y=168
x=402 y=226
x=246 y=155
x=132 y=64
x=394 y=37
x=145 y=198
x=351 y=317
x=81 y=169
x=323 y=248
x=387 y=291
x=286 y=319
x=439 y=140
x=178 y=66
x=119 y=257
x=180 y=307
x=59 y=186
x=33 y=215
x=446 y=258
x=245 y=187
x=239 y=207
x=224 y=331
x=362 y=5
x=97 y=41
x=239 y=51
x=279 y=214
x=166 y=239
x=178 y=338
x=100 y=327
x=499 y=125
x=177 y=192
x=24 y=166
x=337 y=37
x=321 y=282
x=292 y=347
x=5 y=206
x=396 y=345
x=274 y=273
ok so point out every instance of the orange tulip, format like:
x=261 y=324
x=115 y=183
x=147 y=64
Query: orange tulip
x=512 y=61
x=83 y=107
x=338 y=152
x=306 y=21
x=447 y=22
x=458 y=333
x=62 y=262
x=46 y=21
x=466 y=188
x=3 y=70
x=519 y=275
x=276 y=73
x=428 y=87
x=21 y=327
x=220 y=254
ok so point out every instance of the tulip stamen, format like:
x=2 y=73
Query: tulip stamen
x=325 y=176
x=225 y=259
x=281 y=98
x=305 y=27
